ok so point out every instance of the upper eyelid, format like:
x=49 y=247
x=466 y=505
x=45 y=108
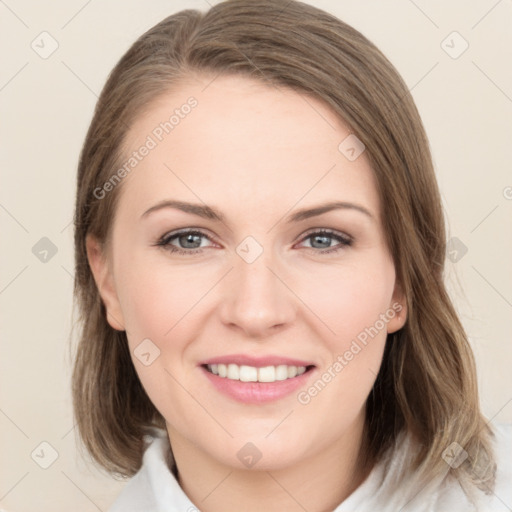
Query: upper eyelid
x=200 y=231
x=186 y=231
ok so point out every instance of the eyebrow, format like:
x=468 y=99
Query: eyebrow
x=210 y=213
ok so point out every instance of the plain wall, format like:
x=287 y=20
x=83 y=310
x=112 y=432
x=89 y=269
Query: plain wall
x=46 y=106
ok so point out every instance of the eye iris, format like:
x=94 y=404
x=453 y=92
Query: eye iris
x=192 y=240
x=325 y=238
x=188 y=237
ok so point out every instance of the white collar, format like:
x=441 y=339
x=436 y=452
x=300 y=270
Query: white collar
x=155 y=489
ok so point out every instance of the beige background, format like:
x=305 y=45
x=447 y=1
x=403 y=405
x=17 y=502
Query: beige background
x=46 y=105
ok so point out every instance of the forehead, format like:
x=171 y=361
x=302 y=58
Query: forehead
x=238 y=141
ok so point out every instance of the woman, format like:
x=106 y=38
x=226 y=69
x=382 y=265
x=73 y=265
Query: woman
x=302 y=353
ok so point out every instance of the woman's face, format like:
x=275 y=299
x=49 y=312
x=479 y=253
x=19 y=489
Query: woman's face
x=257 y=288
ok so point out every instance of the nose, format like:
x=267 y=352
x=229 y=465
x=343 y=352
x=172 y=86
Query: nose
x=256 y=299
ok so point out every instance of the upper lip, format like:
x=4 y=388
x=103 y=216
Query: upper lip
x=258 y=362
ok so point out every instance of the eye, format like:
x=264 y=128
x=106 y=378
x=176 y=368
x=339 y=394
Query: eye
x=190 y=241
x=323 y=237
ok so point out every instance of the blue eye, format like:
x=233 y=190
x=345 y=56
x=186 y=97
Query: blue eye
x=191 y=241
x=322 y=235
x=187 y=237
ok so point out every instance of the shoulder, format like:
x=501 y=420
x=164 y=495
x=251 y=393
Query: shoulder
x=450 y=495
x=154 y=485
x=379 y=491
x=503 y=453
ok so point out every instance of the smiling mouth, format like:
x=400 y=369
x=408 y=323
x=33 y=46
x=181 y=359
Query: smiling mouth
x=244 y=373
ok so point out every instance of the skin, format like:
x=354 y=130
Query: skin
x=257 y=154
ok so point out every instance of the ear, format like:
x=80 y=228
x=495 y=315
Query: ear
x=398 y=305
x=103 y=277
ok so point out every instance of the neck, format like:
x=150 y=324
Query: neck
x=318 y=483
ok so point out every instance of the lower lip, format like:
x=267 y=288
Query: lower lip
x=257 y=392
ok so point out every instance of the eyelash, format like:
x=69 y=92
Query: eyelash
x=345 y=241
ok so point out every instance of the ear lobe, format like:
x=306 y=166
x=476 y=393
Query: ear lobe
x=399 y=307
x=105 y=282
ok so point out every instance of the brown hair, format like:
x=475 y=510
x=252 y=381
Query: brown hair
x=427 y=383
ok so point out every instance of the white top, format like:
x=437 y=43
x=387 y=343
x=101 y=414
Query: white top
x=155 y=489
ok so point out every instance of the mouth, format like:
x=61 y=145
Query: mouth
x=257 y=379
x=263 y=374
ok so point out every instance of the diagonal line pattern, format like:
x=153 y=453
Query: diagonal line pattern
x=508 y=505
x=488 y=422
x=66 y=226
x=287 y=492
x=492 y=81
x=76 y=14
x=486 y=14
x=12 y=488
x=218 y=485
x=13 y=279
x=492 y=211
x=305 y=99
x=79 y=79
x=280 y=423
x=424 y=14
x=493 y=287
x=14 y=424
x=67 y=271
x=424 y=76
x=410 y=501
x=489 y=489
x=14 y=76
x=14 y=218
x=68 y=432
x=81 y=490
x=13 y=13
x=211 y=81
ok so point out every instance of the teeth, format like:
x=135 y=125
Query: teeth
x=292 y=371
x=248 y=373
x=233 y=372
x=253 y=374
x=281 y=372
x=267 y=374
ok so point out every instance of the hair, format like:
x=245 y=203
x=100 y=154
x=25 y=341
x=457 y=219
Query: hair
x=427 y=383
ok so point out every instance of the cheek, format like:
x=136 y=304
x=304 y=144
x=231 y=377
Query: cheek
x=160 y=300
x=337 y=305
x=353 y=305
x=349 y=299
x=158 y=307
x=156 y=297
